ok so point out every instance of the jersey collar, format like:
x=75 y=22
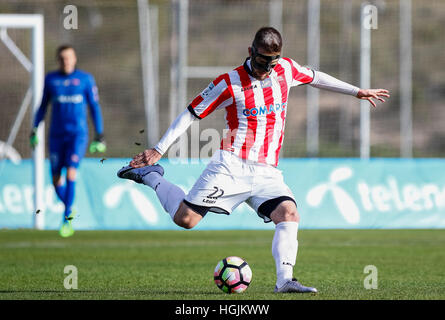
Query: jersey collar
x=67 y=75
x=247 y=67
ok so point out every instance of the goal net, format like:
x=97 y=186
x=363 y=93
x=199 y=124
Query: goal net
x=21 y=49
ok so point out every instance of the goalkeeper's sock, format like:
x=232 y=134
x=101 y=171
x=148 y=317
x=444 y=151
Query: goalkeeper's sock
x=60 y=191
x=69 y=197
x=284 y=250
x=169 y=194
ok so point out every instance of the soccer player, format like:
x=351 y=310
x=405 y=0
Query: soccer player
x=255 y=99
x=69 y=90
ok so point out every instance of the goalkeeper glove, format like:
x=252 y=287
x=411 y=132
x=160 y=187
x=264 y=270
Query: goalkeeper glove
x=98 y=144
x=33 y=140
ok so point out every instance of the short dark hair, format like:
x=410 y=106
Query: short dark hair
x=63 y=47
x=268 y=39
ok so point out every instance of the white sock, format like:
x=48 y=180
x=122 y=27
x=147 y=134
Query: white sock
x=284 y=250
x=169 y=195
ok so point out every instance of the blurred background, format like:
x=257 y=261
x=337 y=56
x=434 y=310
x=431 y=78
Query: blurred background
x=217 y=34
x=150 y=58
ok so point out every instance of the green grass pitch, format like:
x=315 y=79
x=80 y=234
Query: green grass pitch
x=179 y=265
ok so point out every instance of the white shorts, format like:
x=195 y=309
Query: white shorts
x=228 y=181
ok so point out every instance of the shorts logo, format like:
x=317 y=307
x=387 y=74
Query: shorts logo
x=211 y=198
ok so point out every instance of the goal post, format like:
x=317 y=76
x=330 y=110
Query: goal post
x=34 y=22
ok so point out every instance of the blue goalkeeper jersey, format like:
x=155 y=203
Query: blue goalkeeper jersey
x=70 y=95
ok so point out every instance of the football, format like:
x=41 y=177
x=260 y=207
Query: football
x=232 y=275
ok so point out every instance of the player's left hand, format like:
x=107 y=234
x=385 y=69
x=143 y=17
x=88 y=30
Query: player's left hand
x=33 y=140
x=368 y=94
x=98 y=144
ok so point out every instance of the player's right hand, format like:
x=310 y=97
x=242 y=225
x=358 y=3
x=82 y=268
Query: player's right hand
x=146 y=158
x=33 y=140
x=368 y=94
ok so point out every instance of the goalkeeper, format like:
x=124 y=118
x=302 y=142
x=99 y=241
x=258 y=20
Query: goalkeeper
x=69 y=90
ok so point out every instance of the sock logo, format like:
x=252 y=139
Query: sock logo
x=287 y=263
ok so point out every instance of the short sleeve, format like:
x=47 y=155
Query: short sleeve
x=217 y=95
x=300 y=75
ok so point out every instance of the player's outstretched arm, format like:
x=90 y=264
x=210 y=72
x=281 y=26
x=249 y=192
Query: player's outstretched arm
x=322 y=80
x=369 y=94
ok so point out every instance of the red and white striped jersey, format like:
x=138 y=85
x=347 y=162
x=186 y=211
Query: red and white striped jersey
x=255 y=110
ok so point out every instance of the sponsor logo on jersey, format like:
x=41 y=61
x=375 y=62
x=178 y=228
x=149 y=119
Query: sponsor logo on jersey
x=249 y=87
x=264 y=110
x=77 y=98
x=207 y=90
x=67 y=82
x=266 y=83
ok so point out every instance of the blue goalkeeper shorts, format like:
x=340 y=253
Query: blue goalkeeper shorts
x=67 y=151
